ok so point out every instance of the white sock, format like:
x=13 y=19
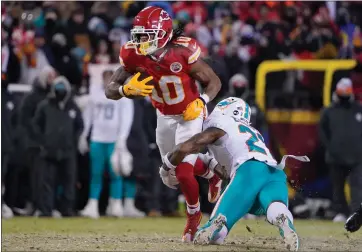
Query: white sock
x=192 y=209
x=275 y=209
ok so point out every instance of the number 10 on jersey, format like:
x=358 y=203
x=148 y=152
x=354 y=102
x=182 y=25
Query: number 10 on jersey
x=172 y=90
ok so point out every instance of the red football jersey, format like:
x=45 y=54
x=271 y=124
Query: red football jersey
x=175 y=88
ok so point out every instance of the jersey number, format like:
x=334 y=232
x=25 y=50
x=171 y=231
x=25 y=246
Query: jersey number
x=172 y=90
x=107 y=109
x=255 y=137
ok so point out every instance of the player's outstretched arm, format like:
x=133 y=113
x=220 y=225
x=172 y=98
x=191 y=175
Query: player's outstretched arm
x=194 y=145
x=118 y=79
x=207 y=77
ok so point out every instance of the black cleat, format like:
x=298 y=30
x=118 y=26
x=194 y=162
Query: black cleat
x=354 y=222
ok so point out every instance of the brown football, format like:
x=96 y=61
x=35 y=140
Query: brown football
x=144 y=75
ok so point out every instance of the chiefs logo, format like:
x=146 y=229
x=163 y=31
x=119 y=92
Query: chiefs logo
x=164 y=16
x=176 y=67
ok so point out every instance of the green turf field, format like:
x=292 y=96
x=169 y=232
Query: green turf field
x=162 y=234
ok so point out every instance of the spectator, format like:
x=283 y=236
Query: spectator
x=111 y=124
x=239 y=87
x=57 y=126
x=7 y=140
x=64 y=62
x=27 y=108
x=102 y=56
x=78 y=31
x=32 y=58
x=341 y=134
x=10 y=65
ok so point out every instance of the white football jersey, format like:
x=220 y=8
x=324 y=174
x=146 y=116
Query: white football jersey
x=106 y=117
x=240 y=143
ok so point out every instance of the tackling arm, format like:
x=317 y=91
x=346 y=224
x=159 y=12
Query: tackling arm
x=207 y=77
x=118 y=79
x=194 y=145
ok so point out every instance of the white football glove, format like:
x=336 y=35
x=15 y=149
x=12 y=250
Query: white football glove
x=83 y=146
x=122 y=161
x=169 y=178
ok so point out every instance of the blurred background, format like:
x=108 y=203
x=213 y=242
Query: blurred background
x=81 y=40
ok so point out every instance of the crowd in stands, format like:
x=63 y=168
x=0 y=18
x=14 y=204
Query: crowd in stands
x=235 y=38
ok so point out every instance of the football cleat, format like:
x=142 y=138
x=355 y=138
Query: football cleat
x=287 y=232
x=208 y=234
x=115 y=208
x=214 y=189
x=193 y=222
x=131 y=211
x=90 y=210
x=354 y=222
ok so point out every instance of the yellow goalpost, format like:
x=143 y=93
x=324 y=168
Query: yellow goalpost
x=328 y=66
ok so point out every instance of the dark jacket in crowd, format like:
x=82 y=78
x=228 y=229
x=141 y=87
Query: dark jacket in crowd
x=340 y=131
x=149 y=126
x=7 y=122
x=27 y=112
x=137 y=140
x=58 y=122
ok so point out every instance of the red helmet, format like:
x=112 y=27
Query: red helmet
x=155 y=23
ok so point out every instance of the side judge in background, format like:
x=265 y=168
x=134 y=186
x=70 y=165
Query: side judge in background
x=57 y=126
x=340 y=131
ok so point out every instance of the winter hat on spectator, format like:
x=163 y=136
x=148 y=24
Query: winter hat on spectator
x=239 y=86
x=344 y=87
x=344 y=91
x=98 y=26
x=60 y=39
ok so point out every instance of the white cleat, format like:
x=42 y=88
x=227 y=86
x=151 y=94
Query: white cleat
x=287 y=232
x=131 y=211
x=56 y=214
x=6 y=212
x=115 y=209
x=207 y=234
x=90 y=210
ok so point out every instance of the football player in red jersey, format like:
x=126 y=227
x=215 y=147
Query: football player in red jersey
x=175 y=65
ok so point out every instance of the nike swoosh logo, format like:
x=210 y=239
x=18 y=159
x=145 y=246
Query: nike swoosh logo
x=195 y=46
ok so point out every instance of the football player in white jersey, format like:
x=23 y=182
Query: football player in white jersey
x=258 y=183
x=111 y=123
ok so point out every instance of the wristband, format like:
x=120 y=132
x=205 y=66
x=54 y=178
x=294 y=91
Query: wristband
x=121 y=92
x=205 y=98
x=167 y=162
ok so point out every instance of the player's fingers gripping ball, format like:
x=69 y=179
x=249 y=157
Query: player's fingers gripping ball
x=194 y=109
x=137 y=87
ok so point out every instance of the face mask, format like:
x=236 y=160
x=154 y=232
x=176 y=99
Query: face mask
x=344 y=99
x=60 y=91
x=239 y=91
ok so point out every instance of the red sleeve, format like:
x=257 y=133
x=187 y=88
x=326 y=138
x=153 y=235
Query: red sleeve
x=126 y=57
x=192 y=49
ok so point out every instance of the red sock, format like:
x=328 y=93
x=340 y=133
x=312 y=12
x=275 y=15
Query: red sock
x=188 y=183
x=202 y=170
